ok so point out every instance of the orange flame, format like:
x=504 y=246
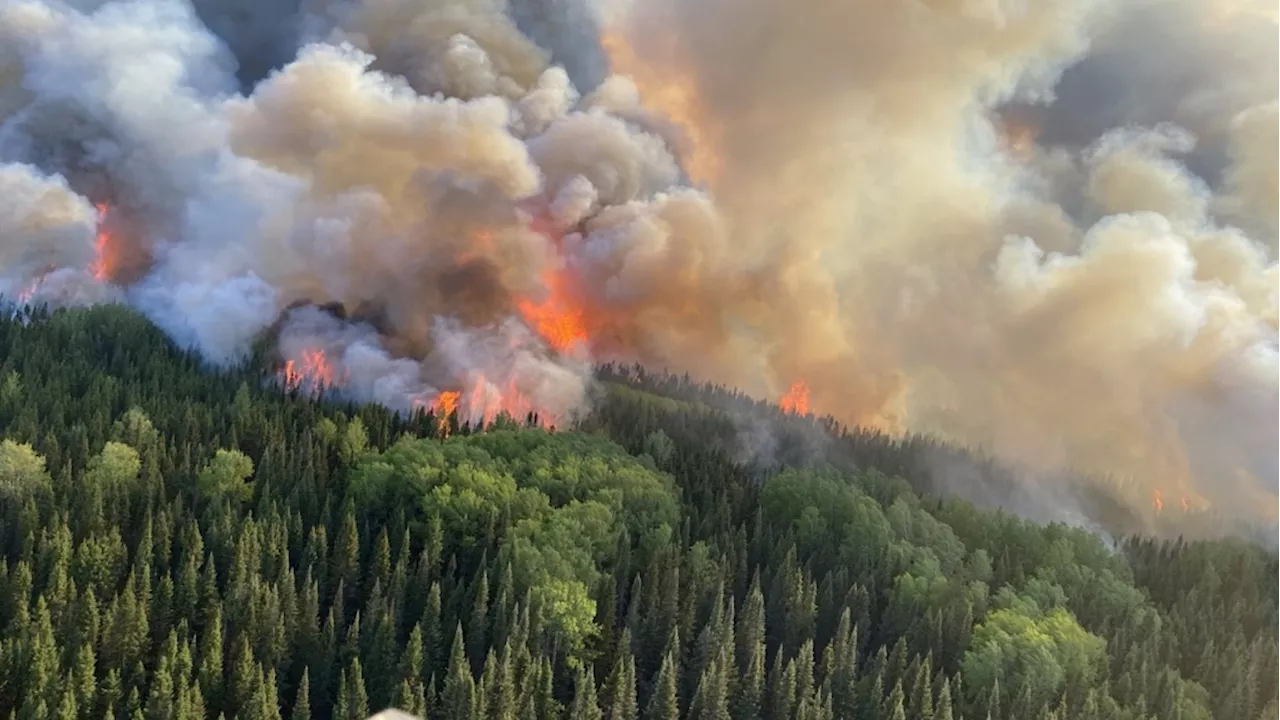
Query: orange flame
x=313 y=369
x=558 y=320
x=1186 y=504
x=483 y=402
x=1158 y=501
x=796 y=400
x=446 y=403
x=103 y=247
x=441 y=407
x=28 y=291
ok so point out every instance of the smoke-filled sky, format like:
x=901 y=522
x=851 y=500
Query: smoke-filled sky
x=1045 y=229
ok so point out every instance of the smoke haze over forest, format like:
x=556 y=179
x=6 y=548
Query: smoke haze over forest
x=1048 y=230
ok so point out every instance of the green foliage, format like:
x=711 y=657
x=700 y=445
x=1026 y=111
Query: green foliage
x=1038 y=656
x=183 y=543
x=22 y=471
x=117 y=466
x=551 y=503
x=226 y=476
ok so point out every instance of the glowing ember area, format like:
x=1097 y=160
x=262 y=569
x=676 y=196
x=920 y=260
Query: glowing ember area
x=313 y=370
x=482 y=403
x=443 y=406
x=446 y=403
x=674 y=95
x=485 y=402
x=557 y=319
x=103 y=248
x=1158 y=501
x=796 y=400
x=29 y=291
x=1186 y=504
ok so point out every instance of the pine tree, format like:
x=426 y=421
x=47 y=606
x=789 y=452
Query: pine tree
x=943 y=709
x=302 y=703
x=210 y=671
x=189 y=704
x=893 y=706
x=478 y=623
x=585 y=706
x=750 y=638
x=664 y=702
x=353 y=701
x=621 y=699
x=458 y=696
x=920 y=705
x=410 y=697
x=83 y=677
x=993 y=702
x=711 y=700
x=68 y=709
x=263 y=703
x=243 y=676
x=161 y=695
x=111 y=691
x=432 y=632
x=412 y=658
x=546 y=705
x=782 y=690
x=380 y=563
x=502 y=690
x=133 y=708
x=346 y=555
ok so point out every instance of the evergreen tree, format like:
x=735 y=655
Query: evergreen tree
x=622 y=682
x=943 y=709
x=183 y=544
x=664 y=703
x=302 y=702
x=458 y=696
x=893 y=708
x=353 y=701
x=585 y=706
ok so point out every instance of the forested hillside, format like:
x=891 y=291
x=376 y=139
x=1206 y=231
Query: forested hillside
x=182 y=543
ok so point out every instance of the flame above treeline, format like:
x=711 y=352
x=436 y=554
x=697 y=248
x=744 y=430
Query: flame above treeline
x=552 y=312
x=831 y=204
x=101 y=267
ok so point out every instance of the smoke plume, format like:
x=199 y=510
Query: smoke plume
x=1025 y=227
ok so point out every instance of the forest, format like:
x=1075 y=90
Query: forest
x=178 y=542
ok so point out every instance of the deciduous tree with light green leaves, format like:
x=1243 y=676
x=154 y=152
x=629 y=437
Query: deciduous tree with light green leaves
x=226 y=476
x=555 y=504
x=1033 y=653
x=22 y=470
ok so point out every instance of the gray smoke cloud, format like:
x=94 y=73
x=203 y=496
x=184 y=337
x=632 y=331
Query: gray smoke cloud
x=1026 y=228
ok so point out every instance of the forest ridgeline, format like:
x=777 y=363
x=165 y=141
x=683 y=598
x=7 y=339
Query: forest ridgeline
x=177 y=542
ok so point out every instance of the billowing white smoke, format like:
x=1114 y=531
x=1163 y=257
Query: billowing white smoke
x=329 y=184
x=767 y=192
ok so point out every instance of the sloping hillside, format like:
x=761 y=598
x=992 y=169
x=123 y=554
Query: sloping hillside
x=181 y=543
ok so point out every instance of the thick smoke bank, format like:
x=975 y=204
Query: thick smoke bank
x=909 y=208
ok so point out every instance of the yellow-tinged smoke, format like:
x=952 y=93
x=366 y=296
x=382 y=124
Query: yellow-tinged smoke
x=670 y=91
x=908 y=210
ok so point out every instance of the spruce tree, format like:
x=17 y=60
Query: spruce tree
x=942 y=711
x=458 y=695
x=585 y=706
x=664 y=701
x=302 y=701
x=621 y=698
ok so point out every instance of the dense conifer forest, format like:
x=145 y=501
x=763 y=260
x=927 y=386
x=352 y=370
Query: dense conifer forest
x=177 y=542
